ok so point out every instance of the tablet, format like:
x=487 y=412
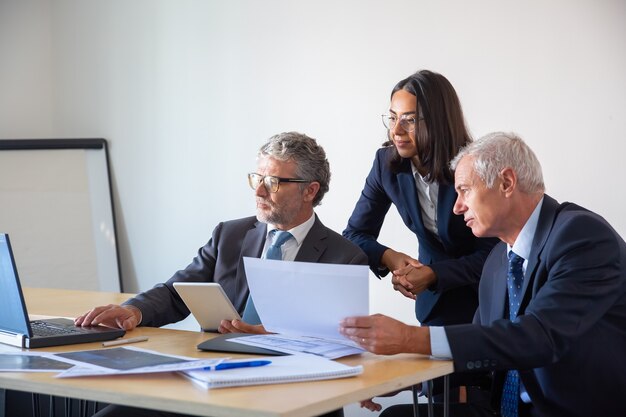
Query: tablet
x=221 y=343
x=208 y=303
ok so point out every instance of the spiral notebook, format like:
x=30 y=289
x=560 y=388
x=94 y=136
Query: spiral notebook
x=283 y=369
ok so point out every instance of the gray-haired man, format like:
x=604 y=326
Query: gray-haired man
x=292 y=177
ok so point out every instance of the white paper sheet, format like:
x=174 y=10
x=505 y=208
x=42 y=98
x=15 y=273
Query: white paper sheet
x=328 y=348
x=282 y=369
x=20 y=361
x=307 y=299
x=128 y=360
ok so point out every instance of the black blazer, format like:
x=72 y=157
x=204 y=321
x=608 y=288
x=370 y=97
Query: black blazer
x=457 y=259
x=221 y=261
x=569 y=340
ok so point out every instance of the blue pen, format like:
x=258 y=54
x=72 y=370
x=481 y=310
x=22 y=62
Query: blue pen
x=233 y=365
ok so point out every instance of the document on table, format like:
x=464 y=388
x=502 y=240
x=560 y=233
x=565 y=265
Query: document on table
x=307 y=300
x=127 y=360
x=282 y=369
x=328 y=348
x=31 y=362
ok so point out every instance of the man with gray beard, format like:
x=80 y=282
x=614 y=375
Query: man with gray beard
x=292 y=177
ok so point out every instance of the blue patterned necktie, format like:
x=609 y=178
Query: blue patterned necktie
x=515 y=276
x=274 y=251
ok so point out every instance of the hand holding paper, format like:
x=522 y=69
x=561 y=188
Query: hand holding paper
x=304 y=298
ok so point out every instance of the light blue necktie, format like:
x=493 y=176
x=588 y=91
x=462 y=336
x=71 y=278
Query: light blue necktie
x=510 y=395
x=279 y=237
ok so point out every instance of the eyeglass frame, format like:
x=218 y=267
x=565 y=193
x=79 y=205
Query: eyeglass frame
x=403 y=118
x=272 y=177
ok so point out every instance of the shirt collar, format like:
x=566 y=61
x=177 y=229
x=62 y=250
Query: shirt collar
x=299 y=232
x=524 y=240
x=416 y=173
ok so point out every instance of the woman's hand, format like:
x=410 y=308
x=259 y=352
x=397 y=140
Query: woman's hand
x=413 y=279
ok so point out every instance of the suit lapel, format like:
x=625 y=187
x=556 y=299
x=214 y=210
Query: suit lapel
x=445 y=200
x=314 y=244
x=499 y=286
x=254 y=240
x=544 y=225
x=408 y=192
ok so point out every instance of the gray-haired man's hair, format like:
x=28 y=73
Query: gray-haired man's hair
x=499 y=150
x=309 y=157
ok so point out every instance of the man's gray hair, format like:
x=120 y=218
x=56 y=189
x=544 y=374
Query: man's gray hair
x=309 y=157
x=499 y=150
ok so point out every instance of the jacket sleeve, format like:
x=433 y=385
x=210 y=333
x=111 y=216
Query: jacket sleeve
x=368 y=216
x=578 y=280
x=465 y=270
x=161 y=304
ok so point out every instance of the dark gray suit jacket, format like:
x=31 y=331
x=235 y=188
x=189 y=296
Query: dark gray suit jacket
x=221 y=261
x=569 y=340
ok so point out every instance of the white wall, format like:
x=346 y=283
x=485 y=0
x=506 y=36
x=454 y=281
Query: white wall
x=186 y=91
x=26 y=108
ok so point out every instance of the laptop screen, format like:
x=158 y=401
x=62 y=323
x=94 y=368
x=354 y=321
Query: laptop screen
x=13 y=315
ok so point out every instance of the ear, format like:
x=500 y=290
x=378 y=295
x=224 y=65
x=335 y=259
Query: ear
x=508 y=181
x=311 y=191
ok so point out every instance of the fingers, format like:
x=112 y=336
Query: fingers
x=78 y=321
x=88 y=318
x=357 y=329
x=384 y=336
x=129 y=324
x=413 y=279
x=238 y=326
x=403 y=270
x=243 y=327
x=357 y=321
x=110 y=316
x=394 y=260
x=415 y=263
x=226 y=327
x=371 y=405
x=401 y=280
x=402 y=290
x=411 y=265
x=402 y=284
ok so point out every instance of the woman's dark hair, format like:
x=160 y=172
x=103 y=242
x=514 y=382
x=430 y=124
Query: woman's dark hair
x=445 y=133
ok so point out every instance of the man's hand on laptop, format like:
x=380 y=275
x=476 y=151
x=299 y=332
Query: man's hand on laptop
x=112 y=315
x=238 y=326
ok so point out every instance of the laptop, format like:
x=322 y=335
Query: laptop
x=15 y=327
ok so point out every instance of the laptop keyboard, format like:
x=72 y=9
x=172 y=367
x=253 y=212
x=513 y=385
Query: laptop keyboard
x=41 y=328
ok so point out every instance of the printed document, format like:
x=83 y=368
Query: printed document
x=328 y=348
x=31 y=362
x=127 y=360
x=282 y=369
x=308 y=300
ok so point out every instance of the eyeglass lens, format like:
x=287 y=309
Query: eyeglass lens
x=407 y=123
x=270 y=183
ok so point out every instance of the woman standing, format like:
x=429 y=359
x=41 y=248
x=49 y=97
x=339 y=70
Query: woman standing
x=425 y=131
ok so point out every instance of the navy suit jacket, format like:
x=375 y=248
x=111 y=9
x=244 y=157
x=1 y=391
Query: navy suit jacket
x=457 y=259
x=221 y=261
x=569 y=340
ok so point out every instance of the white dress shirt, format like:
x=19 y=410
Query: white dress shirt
x=427 y=193
x=291 y=247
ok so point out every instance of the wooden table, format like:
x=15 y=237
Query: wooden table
x=172 y=392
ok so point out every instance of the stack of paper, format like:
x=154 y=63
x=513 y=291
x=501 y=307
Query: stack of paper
x=282 y=369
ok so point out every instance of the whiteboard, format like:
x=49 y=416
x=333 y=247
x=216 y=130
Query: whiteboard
x=56 y=205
